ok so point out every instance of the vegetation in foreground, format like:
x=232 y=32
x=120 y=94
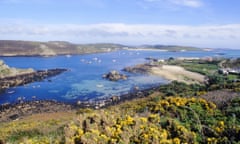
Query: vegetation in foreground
x=174 y=113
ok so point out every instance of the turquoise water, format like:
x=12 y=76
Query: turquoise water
x=84 y=80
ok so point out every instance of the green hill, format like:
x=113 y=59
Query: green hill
x=34 y=48
x=51 y=48
x=171 y=47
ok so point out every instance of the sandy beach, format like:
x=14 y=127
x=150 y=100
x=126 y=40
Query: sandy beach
x=146 y=49
x=169 y=72
x=177 y=73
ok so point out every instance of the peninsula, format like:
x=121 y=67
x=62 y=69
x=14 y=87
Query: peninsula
x=10 y=77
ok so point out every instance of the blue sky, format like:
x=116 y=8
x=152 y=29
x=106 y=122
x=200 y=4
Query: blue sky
x=203 y=23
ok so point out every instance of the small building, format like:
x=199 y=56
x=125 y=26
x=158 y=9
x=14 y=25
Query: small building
x=223 y=71
x=227 y=71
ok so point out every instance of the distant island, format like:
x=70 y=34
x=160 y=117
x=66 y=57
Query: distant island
x=169 y=48
x=52 y=48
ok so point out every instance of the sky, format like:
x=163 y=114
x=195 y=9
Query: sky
x=200 y=23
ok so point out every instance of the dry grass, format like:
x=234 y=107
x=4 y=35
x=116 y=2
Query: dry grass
x=221 y=97
x=43 y=123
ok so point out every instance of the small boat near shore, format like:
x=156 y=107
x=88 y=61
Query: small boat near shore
x=11 y=92
x=99 y=85
x=68 y=56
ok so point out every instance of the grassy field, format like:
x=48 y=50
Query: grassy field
x=202 y=67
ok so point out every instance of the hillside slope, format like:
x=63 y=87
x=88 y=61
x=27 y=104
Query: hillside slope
x=33 y=48
x=51 y=48
x=171 y=47
x=6 y=71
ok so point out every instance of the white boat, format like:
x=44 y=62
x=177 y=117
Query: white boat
x=10 y=92
x=95 y=59
x=99 y=85
x=68 y=56
x=82 y=60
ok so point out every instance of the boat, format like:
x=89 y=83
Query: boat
x=68 y=56
x=95 y=59
x=99 y=85
x=82 y=60
x=11 y=92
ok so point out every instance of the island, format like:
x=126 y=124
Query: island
x=114 y=76
x=53 y=48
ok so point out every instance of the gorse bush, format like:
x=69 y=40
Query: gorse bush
x=157 y=119
x=165 y=120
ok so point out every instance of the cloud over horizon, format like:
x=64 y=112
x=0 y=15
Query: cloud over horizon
x=135 y=34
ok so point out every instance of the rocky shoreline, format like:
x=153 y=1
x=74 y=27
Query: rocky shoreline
x=140 y=68
x=109 y=101
x=22 y=79
x=10 y=112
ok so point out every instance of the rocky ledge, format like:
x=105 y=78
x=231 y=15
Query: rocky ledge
x=22 y=79
x=114 y=76
x=140 y=68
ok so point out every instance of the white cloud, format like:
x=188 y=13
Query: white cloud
x=186 y=3
x=202 y=36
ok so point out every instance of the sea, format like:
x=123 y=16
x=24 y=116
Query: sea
x=84 y=82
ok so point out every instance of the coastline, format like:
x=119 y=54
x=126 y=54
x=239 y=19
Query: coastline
x=168 y=72
x=177 y=73
x=21 y=109
x=21 y=79
x=145 y=49
x=9 y=112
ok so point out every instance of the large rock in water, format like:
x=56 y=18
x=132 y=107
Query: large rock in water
x=114 y=76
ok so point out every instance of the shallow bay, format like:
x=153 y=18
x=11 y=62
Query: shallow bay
x=84 y=80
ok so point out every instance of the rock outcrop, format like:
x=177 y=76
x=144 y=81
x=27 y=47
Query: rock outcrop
x=141 y=68
x=114 y=76
x=22 y=79
x=6 y=71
